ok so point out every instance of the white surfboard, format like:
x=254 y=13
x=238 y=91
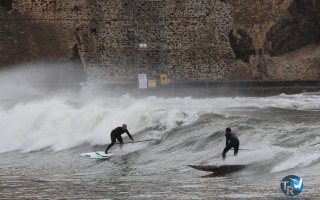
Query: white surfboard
x=97 y=155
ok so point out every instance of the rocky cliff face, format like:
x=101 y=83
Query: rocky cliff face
x=188 y=40
x=32 y=31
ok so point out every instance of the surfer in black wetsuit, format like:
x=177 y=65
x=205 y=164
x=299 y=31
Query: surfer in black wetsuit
x=231 y=141
x=116 y=135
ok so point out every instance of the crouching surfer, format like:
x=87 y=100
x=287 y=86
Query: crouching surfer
x=116 y=135
x=232 y=141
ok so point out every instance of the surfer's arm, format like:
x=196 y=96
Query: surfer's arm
x=227 y=139
x=131 y=138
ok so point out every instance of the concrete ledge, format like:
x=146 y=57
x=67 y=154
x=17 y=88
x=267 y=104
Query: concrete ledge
x=216 y=88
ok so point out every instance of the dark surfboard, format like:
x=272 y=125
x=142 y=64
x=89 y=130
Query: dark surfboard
x=218 y=168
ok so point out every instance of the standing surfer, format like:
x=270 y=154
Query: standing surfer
x=116 y=135
x=231 y=141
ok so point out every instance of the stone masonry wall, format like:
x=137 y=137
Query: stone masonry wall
x=187 y=39
x=190 y=40
x=40 y=30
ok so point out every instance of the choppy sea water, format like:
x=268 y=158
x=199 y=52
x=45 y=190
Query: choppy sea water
x=43 y=133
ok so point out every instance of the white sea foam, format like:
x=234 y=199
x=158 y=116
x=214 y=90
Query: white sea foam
x=56 y=124
x=300 y=160
x=53 y=122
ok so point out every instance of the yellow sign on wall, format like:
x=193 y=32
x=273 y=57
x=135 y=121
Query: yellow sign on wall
x=164 y=79
x=152 y=83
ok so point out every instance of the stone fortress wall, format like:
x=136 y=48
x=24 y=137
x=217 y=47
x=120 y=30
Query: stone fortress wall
x=190 y=40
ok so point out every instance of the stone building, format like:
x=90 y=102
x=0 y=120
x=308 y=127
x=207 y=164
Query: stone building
x=190 y=40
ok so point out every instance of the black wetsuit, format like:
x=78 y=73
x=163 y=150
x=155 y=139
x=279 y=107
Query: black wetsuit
x=231 y=141
x=116 y=135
